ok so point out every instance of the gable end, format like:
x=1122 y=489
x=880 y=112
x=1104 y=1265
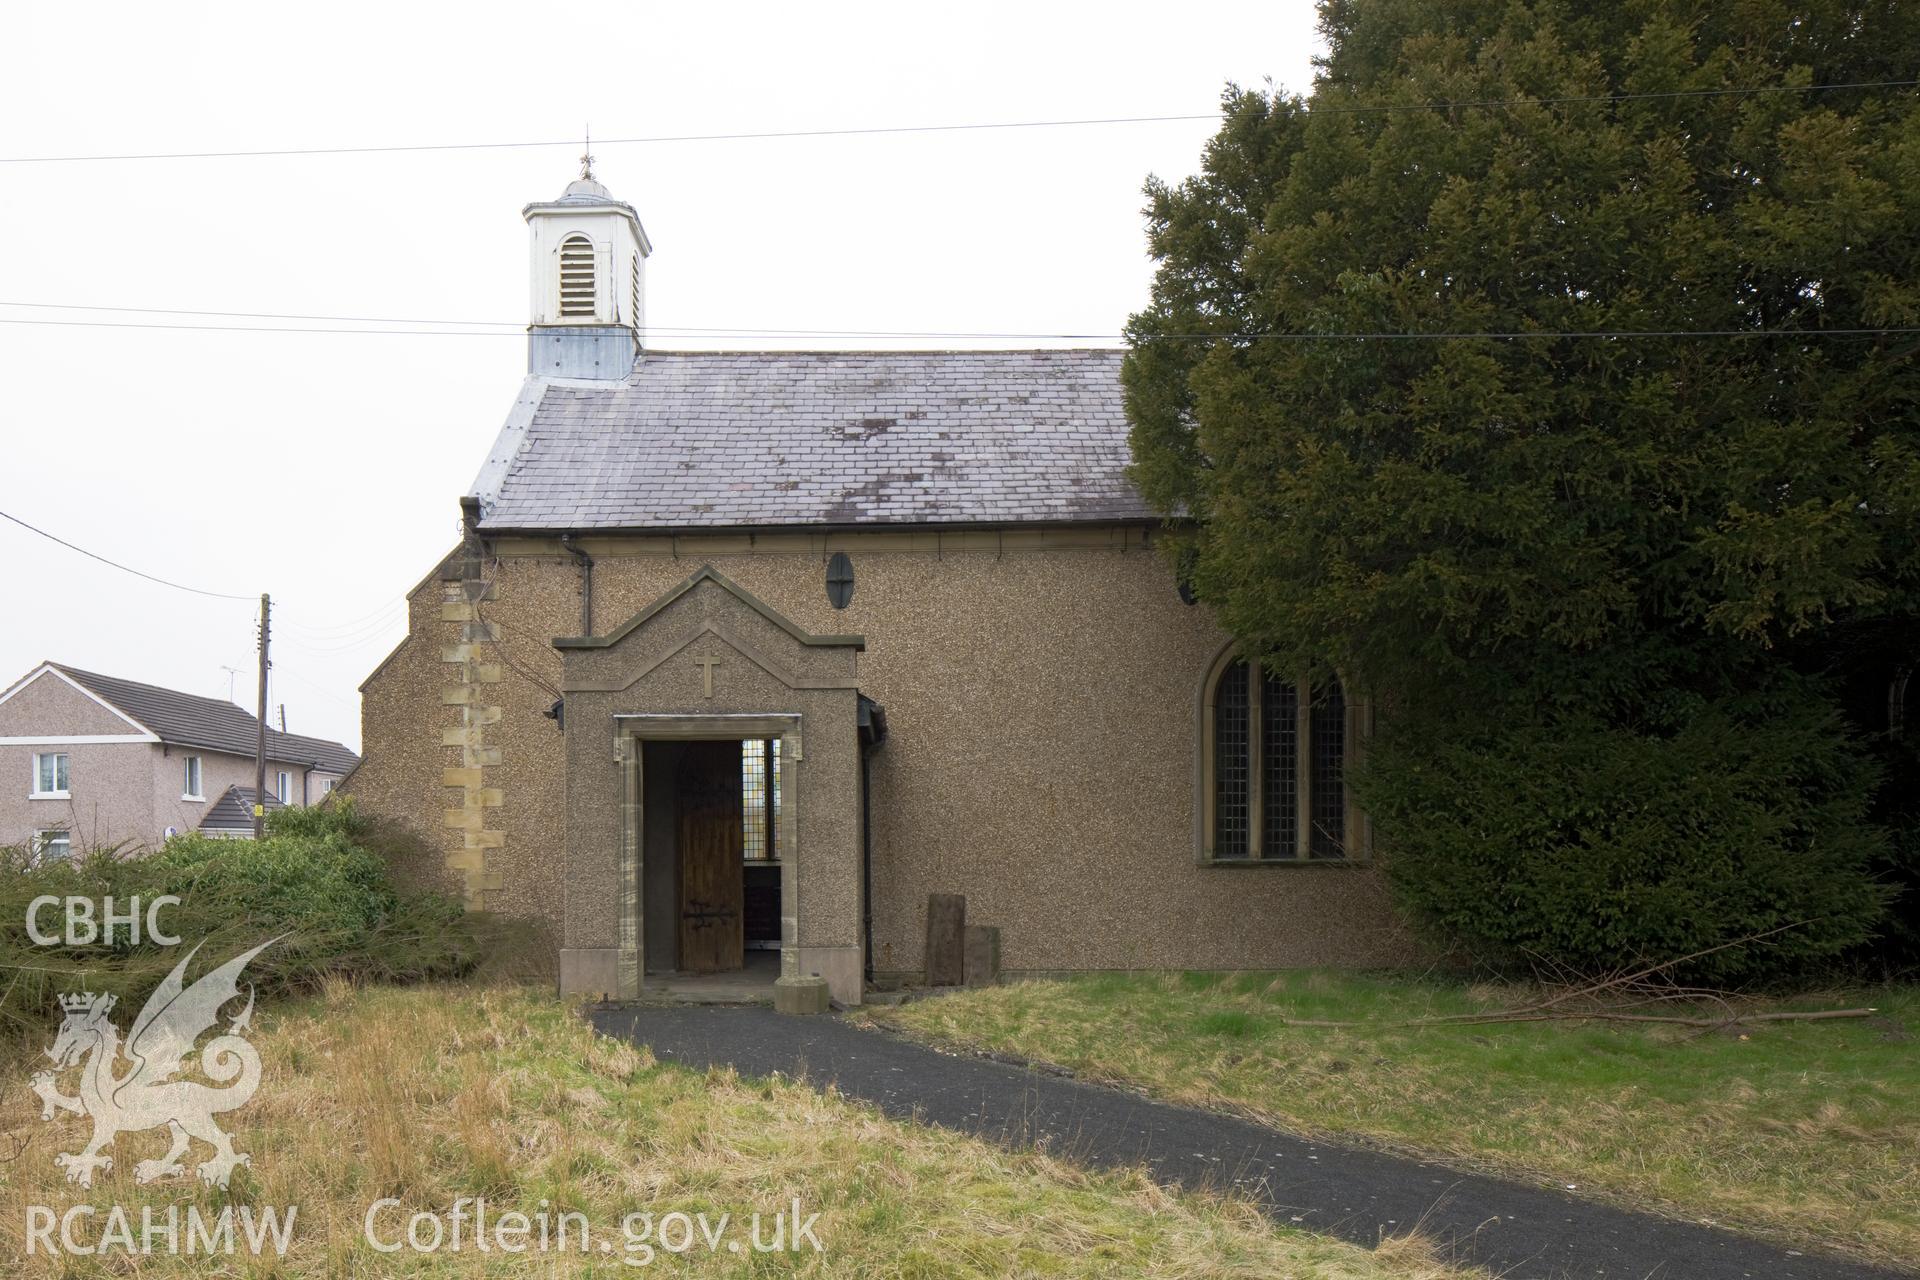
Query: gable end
x=49 y=707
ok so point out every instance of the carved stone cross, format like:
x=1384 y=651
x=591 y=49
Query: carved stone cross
x=706 y=666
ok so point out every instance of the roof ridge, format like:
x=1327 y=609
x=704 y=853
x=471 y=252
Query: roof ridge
x=123 y=680
x=101 y=685
x=142 y=684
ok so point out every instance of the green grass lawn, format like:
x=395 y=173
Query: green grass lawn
x=435 y=1093
x=1806 y=1131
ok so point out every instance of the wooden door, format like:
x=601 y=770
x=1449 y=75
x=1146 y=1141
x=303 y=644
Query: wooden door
x=712 y=875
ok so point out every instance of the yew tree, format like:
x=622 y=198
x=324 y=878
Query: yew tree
x=1552 y=372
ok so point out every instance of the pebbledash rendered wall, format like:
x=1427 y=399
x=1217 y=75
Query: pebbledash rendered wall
x=1041 y=690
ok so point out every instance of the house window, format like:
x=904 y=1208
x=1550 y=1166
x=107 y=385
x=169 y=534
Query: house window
x=283 y=787
x=1274 y=768
x=53 y=845
x=327 y=785
x=760 y=799
x=50 y=779
x=191 y=784
x=576 y=276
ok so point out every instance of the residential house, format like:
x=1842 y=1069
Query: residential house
x=97 y=761
x=763 y=648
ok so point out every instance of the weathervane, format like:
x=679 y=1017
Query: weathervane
x=586 y=159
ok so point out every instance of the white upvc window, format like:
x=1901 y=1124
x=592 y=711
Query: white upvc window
x=327 y=785
x=53 y=845
x=50 y=778
x=283 y=786
x=191 y=784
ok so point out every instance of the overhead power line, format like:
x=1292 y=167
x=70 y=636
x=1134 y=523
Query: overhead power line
x=609 y=142
x=1473 y=103
x=255 y=328
x=509 y=329
x=388 y=612
x=249 y=315
x=981 y=336
x=217 y=595
x=280 y=669
x=349 y=639
x=971 y=127
x=373 y=637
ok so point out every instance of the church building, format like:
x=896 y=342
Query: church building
x=745 y=654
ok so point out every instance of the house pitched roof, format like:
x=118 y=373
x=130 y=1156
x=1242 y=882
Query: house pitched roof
x=233 y=811
x=297 y=748
x=804 y=438
x=189 y=720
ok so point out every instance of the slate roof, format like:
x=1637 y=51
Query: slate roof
x=797 y=438
x=233 y=811
x=188 y=720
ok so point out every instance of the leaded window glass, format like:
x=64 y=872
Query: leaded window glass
x=1275 y=771
x=1232 y=722
x=760 y=798
x=1279 y=768
x=1329 y=807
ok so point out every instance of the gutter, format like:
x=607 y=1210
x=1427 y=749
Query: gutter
x=1147 y=522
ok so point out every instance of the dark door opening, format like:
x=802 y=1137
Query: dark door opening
x=711 y=890
x=712 y=880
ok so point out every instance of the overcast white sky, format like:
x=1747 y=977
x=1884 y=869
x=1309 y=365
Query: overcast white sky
x=325 y=468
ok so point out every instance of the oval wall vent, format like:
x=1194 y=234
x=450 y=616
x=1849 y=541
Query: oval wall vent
x=839 y=580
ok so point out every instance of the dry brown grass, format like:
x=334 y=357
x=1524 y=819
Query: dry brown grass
x=431 y=1094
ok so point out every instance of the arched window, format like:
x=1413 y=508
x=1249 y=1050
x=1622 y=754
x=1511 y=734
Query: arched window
x=576 y=276
x=1273 y=768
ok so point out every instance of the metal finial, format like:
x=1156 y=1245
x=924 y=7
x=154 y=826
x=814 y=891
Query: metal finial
x=586 y=159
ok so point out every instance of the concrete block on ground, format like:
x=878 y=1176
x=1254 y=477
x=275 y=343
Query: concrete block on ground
x=946 y=939
x=801 y=995
x=983 y=955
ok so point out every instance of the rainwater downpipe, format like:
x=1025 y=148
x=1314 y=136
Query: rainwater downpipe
x=866 y=853
x=585 y=561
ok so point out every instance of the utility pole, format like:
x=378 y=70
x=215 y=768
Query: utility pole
x=260 y=738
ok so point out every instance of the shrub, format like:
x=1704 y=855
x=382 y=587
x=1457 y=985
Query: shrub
x=1591 y=847
x=315 y=878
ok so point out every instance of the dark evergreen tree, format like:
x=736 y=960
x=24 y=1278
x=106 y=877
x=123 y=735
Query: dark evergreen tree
x=1600 y=584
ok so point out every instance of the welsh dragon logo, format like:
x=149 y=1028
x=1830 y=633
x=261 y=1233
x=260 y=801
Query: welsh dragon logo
x=146 y=1096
